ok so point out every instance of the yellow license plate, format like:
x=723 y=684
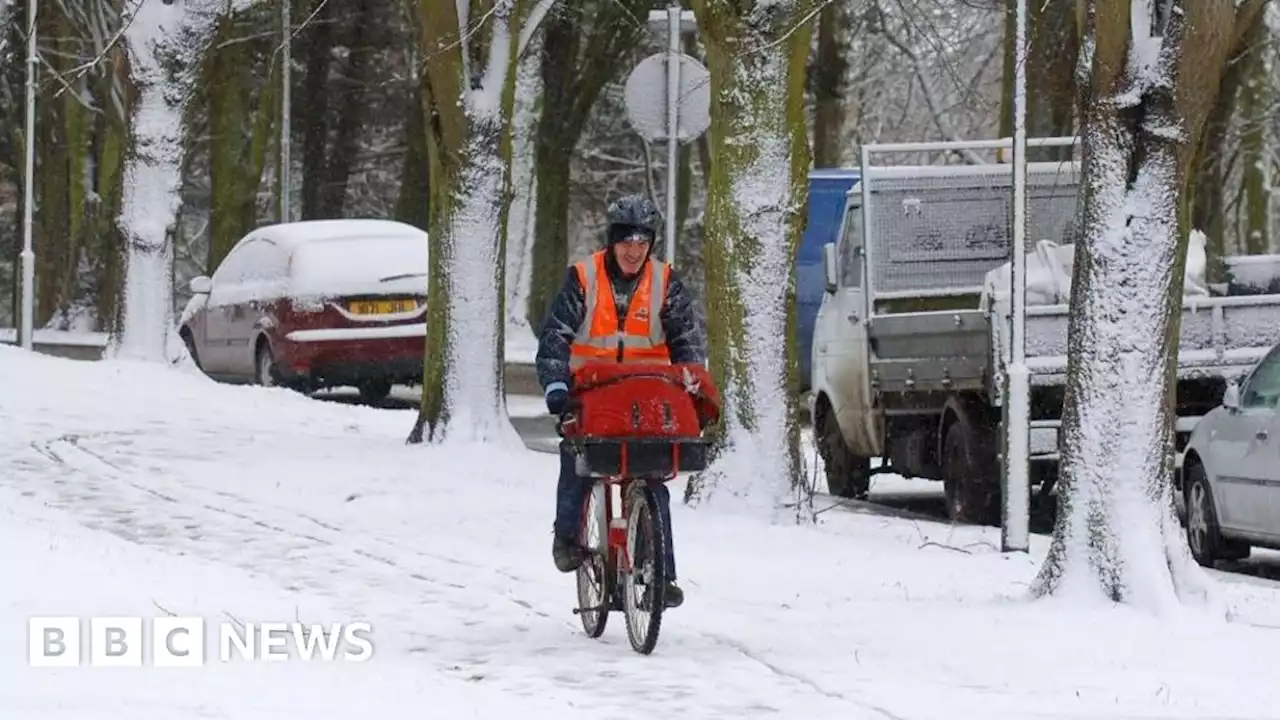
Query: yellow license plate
x=381 y=307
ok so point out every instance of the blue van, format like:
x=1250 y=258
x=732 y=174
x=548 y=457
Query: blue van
x=828 y=188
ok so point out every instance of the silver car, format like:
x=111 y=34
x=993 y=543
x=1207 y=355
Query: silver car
x=1231 y=470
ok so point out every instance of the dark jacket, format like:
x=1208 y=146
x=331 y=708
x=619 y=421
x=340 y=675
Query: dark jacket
x=684 y=342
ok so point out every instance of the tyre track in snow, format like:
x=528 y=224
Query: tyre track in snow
x=466 y=620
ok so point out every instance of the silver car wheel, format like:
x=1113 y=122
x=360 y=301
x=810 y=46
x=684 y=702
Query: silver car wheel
x=1197 y=520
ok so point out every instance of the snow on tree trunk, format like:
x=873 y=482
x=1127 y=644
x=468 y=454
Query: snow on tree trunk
x=153 y=174
x=756 y=55
x=469 y=145
x=1116 y=535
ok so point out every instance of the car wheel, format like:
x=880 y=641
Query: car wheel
x=265 y=367
x=191 y=349
x=374 y=391
x=1202 y=521
x=1204 y=535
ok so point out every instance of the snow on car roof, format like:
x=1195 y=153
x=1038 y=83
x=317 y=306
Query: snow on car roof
x=306 y=231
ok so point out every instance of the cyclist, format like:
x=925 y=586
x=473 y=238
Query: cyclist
x=620 y=286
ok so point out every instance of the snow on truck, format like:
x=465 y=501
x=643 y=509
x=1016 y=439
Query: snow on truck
x=910 y=341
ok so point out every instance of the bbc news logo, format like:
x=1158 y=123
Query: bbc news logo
x=181 y=642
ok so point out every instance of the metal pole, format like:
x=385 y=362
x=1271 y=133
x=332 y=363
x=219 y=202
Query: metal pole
x=28 y=194
x=286 y=183
x=1017 y=415
x=673 y=120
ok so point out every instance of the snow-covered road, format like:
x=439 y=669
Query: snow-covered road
x=128 y=488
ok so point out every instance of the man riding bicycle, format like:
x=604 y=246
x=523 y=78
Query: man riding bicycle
x=605 y=311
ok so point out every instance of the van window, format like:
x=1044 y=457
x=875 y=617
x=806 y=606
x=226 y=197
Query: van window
x=850 y=244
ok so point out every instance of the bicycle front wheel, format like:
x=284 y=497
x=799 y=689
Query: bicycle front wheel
x=644 y=587
x=596 y=573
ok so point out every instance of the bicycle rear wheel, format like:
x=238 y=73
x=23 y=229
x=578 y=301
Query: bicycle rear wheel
x=596 y=573
x=644 y=588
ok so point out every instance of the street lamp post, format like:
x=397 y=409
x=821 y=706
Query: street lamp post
x=286 y=66
x=28 y=199
x=1014 y=535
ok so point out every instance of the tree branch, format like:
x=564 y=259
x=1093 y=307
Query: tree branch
x=531 y=25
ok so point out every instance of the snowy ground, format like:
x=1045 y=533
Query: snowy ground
x=129 y=490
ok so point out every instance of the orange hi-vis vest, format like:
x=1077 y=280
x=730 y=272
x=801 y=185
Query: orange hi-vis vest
x=603 y=336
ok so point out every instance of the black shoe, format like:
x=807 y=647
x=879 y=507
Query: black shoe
x=674 y=596
x=567 y=554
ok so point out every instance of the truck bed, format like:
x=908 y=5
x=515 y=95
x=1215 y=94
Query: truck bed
x=964 y=350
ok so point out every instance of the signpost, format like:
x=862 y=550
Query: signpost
x=668 y=97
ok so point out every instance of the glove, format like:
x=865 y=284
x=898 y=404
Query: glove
x=557 y=401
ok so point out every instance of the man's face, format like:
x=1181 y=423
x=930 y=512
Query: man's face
x=631 y=251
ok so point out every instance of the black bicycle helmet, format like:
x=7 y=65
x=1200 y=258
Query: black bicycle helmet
x=630 y=213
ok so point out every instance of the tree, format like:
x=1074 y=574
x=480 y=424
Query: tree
x=1146 y=91
x=1052 y=48
x=756 y=53
x=159 y=35
x=831 y=90
x=584 y=49
x=471 y=50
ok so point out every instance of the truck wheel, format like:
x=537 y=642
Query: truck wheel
x=968 y=461
x=848 y=475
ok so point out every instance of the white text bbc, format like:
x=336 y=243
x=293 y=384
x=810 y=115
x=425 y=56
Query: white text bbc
x=181 y=642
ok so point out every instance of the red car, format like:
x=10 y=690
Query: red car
x=315 y=304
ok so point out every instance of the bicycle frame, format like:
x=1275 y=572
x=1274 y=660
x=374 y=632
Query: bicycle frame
x=615 y=516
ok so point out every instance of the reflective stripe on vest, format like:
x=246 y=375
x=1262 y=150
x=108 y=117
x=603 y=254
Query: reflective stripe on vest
x=603 y=336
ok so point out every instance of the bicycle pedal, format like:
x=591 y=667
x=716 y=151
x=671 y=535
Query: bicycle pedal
x=597 y=608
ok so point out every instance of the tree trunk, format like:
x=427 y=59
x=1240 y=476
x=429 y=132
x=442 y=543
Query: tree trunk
x=551 y=225
x=1205 y=191
x=1116 y=535
x=829 y=85
x=236 y=159
x=52 y=231
x=153 y=181
x=756 y=54
x=524 y=191
x=1255 y=109
x=469 y=145
x=415 y=178
x=315 y=98
x=107 y=242
x=1052 y=49
x=347 y=139
x=584 y=51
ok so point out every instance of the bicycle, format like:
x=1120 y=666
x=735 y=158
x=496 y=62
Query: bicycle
x=642 y=427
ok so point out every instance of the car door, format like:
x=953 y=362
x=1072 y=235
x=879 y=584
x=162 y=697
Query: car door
x=225 y=295
x=1245 y=450
x=1268 y=478
x=262 y=270
x=840 y=348
x=843 y=310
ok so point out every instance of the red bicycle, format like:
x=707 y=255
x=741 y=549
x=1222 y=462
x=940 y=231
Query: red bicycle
x=632 y=427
